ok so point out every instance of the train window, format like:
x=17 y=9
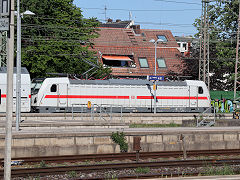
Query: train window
x=200 y=90
x=54 y=88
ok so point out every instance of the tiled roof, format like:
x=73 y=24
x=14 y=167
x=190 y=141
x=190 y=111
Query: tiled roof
x=121 y=41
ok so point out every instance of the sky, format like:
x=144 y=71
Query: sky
x=174 y=15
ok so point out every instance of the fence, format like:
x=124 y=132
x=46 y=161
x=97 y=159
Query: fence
x=101 y=112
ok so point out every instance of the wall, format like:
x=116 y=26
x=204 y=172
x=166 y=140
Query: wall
x=75 y=142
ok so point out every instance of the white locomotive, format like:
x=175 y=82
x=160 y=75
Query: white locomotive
x=25 y=90
x=63 y=94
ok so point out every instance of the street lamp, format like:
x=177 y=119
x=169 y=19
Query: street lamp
x=18 y=76
x=155 y=82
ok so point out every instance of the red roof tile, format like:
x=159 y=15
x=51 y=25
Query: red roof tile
x=118 y=41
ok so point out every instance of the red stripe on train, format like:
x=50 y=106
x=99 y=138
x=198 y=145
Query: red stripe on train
x=87 y=96
x=123 y=97
x=172 y=97
x=4 y=96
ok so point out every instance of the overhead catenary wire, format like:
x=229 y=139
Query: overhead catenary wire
x=143 y=10
x=179 y=2
x=59 y=28
x=43 y=27
x=55 y=29
x=52 y=25
x=103 y=20
x=127 y=41
x=79 y=28
x=159 y=10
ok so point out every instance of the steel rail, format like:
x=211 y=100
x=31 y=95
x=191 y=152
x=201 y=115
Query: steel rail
x=18 y=172
x=122 y=156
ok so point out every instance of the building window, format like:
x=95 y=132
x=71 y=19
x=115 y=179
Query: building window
x=143 y=62
x=162 y=37
x=161 y=63
x=117 y=61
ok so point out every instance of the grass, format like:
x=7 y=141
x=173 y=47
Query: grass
x=43 y=164
x=141 y=170
x=225 y=170
x=111 y=175
x=33 y=178
x=153 y=125
x=72 y=174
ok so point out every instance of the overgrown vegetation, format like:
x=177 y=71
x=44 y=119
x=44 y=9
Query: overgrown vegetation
x=120 y=139
x=225 y=170
x=57 y=39
x=72 y=174
x=223 y=21
x=111 y=175
x=141 y=170
x=153 y=125
x=43 y=164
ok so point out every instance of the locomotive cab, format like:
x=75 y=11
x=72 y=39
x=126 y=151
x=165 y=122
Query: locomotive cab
x=25 y=89
x=49 y=95
x=200 y=97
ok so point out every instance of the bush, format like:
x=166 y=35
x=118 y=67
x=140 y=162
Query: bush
x=120 y=139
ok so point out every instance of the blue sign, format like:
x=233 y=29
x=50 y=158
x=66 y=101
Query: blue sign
x=156 y=78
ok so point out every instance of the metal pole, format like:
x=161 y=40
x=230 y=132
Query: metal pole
x=82 y=112
x=72 y=111
x=214 y=110
x=155 y=98
x=200 y=47
x=236 y=63
x=204 y=44
x=121 y=113
x=208 y=56
x=9 y=109
x=18 y=76
x=111 y=114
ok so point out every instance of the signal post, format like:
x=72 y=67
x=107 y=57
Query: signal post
x=7 y=24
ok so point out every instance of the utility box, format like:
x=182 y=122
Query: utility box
x=136 y=143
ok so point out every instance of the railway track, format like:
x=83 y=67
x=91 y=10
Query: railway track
x=21 y=172
x=123 y=156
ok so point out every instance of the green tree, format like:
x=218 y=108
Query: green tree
x=223 y=16
x=58 y=39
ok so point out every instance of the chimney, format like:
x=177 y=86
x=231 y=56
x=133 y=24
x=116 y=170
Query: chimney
x=109 y=20
x=136 y=29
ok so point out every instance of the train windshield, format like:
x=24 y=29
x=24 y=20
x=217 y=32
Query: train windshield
x=36 y=85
